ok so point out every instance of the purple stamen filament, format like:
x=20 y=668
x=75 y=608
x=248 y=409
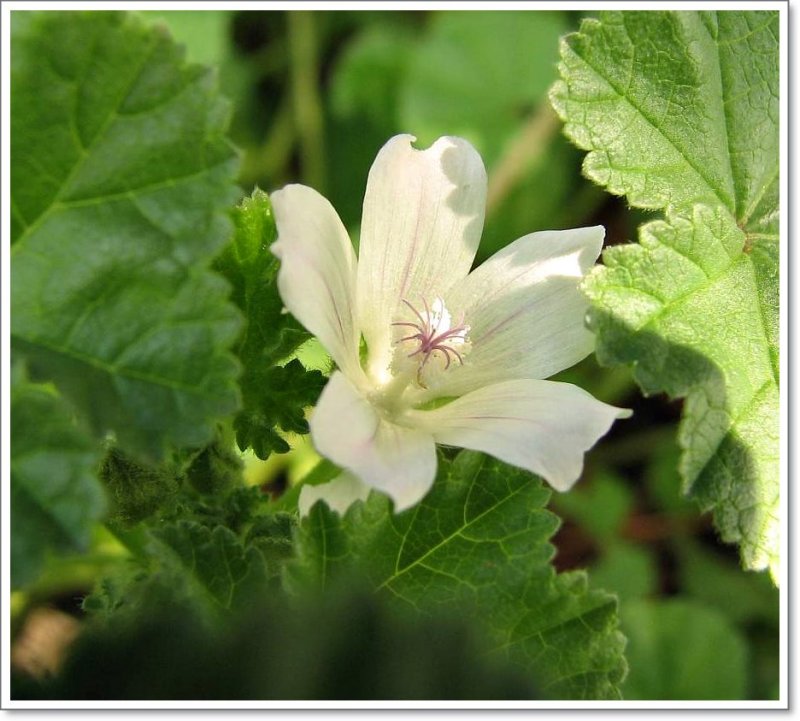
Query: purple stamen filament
x=430 y=340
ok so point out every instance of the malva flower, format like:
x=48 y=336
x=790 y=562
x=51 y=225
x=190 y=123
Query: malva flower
x=426 y=351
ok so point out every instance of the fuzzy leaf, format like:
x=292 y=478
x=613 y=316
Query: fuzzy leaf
x=55 y=495
x=679 y=111
x=120 y=178
x=480 y=541
x=136 y=491
x=273 y=396
x=209 y=552
x=214 y=564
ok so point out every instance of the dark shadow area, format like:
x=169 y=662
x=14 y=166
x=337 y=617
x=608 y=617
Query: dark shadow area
x=345 y=646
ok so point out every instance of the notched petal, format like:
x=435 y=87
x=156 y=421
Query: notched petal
x=422 y=222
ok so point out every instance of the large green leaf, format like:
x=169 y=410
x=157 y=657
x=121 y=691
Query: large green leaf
x=274 y=396
x=679 y=111
x=55 y=495
x=120 y=178
x=477 y=543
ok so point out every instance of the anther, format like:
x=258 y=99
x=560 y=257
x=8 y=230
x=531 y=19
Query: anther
x=428 y=336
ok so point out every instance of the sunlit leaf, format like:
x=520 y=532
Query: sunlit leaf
x=679 y=111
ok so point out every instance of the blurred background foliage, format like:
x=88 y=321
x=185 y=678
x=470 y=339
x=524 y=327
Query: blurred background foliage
x=313 y=97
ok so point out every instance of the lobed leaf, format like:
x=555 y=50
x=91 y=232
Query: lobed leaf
x=212 y=553
x=679 y=111
x=213 y=562
x=274 y=396
x=479 y=540
x=677 y=108
x=121 y=174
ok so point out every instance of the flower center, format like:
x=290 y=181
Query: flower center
x=427 y=340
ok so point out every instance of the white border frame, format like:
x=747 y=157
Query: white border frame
x=781 y=7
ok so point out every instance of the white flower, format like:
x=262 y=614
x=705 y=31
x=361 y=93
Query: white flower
x=448 y=356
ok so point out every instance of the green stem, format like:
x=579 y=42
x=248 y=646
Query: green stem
x=305 y=97
x=521 y=155
x=268 y=160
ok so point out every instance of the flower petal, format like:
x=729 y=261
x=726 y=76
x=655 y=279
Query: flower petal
x=422 y=221
x=346 y=428
x=340 y=493
x=317 y=277
x=525 y=312
x=542 y=426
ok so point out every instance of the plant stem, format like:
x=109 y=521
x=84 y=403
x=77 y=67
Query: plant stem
x=521 y=154
x=269 y=160
x=305 y=97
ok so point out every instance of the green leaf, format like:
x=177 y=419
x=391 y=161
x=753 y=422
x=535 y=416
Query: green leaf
x=120 y=180
x=694 y=306
x=216 y=566
x=215 y=468
x=55 y=495
x=684 y=307
x=209 y=552
x=136 y=490
x=236 y=509
x=678 y=108
x=274 y=396
x=679 y=650
x=477 y=543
